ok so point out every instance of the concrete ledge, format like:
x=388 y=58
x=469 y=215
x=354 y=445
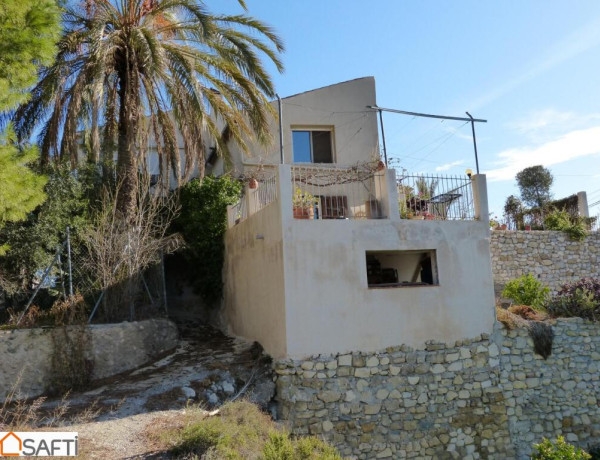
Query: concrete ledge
x=111 y=349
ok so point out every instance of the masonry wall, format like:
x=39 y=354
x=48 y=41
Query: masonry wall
x=486 y=397
x=27 y=354
x=550 y=256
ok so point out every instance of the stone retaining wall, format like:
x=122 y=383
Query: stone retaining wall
x=550 y=256
x=488 y=397
x=109 y=349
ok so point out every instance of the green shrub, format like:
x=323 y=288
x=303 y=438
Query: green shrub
x=594 y=451
x=579 y=299
x=242 y=431
x=526 y=290
x=560 y=220
x=202 y=223
x=558 y=450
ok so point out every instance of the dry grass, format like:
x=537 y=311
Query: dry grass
x=239 y=430
x=20 y=414
x=527 y=313
x=508 y=319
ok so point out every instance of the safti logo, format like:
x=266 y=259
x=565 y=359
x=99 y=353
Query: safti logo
x=29 y=444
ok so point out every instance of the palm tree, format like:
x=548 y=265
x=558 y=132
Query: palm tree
x=130 y=70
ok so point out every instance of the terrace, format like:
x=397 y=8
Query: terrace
x=366 y=191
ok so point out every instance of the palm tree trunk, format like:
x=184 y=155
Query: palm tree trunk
x=127 y=173
x=95 y=132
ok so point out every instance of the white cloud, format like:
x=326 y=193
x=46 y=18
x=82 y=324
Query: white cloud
x=573 y=45
x=575 y=144
x=541 y=123
x=448 y=166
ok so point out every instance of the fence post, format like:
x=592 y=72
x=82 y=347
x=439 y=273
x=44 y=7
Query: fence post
x=388 y=190
x=69 y=261
x=164 y=280
x=284 y=191
x=582 y=204
x=480 y=198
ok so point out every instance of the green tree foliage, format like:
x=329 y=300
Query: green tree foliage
x=527 y=290
x=558 y=450
x=513 y=211
x=171 y=63
x=21 y=190
x=28 y=32
x=28 y=29
x=203 y=222
x=534 y=183
x=33 y=242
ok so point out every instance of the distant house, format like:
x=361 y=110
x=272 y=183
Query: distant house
x=329 y=251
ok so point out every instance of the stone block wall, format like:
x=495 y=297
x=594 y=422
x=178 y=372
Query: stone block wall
x=27 y=354
x=550 y=256
x=486 y=397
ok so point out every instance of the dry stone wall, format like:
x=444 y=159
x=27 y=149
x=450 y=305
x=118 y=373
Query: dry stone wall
x=550 y=256
x=490 y=397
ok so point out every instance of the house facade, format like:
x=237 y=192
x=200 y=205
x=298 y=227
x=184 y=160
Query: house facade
x=328 y=251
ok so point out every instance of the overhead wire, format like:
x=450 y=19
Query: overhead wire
x=448 y=136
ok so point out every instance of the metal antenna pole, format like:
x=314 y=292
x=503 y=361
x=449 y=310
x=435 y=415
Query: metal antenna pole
x=383 y=137
x=474 y=141
x=69 y=262
x=279 y=104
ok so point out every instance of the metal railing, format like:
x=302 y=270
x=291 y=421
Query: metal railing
x=265 y=194
x=435 y=197
x=330 y=192
x=240 y=210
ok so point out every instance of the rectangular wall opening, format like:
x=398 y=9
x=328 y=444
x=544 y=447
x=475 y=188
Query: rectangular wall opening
x=402 y=268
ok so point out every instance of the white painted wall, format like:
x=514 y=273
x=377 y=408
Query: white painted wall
x=342 y=106
x=254 y=305
x=330 y=308
x=302 y=288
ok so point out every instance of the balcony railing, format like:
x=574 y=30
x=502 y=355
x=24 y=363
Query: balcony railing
x=330 y=192
x=435 y=197
x=363 y=191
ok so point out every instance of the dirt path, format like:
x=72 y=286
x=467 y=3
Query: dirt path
x=207 y=368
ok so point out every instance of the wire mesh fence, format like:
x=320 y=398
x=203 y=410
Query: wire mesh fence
x=435 y=197
x=73 y=273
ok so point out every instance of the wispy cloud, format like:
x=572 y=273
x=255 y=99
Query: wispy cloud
x=574 y=144
x=540 y=124
x=448 y=166
x=572 y=45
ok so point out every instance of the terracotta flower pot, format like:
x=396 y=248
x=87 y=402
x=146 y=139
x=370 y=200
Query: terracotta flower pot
x=380 y=165
x=253 y=184
x=303 y=213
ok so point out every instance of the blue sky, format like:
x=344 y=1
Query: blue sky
x=532 y=68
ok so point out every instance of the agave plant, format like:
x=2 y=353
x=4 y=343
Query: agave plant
x=128 y=71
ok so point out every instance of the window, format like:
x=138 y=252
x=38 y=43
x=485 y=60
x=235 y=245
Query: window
x=401 y=268
x=313 y=146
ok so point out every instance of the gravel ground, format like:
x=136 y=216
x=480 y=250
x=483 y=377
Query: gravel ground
x=207 y=368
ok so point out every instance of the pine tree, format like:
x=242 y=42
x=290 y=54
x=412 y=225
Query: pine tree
x=28 y=32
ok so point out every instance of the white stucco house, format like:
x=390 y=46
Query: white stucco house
x=328 y=251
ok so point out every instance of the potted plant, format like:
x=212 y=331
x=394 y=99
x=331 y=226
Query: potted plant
x=253 y=183
x=303 y=204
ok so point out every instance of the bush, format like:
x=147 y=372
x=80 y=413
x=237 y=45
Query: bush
x=33 y=241
x=560 y=220
x=579 y=299
x=526 y=290
x=594 y=451
x=558 y=450
x=240 y=430
x=202 y=223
